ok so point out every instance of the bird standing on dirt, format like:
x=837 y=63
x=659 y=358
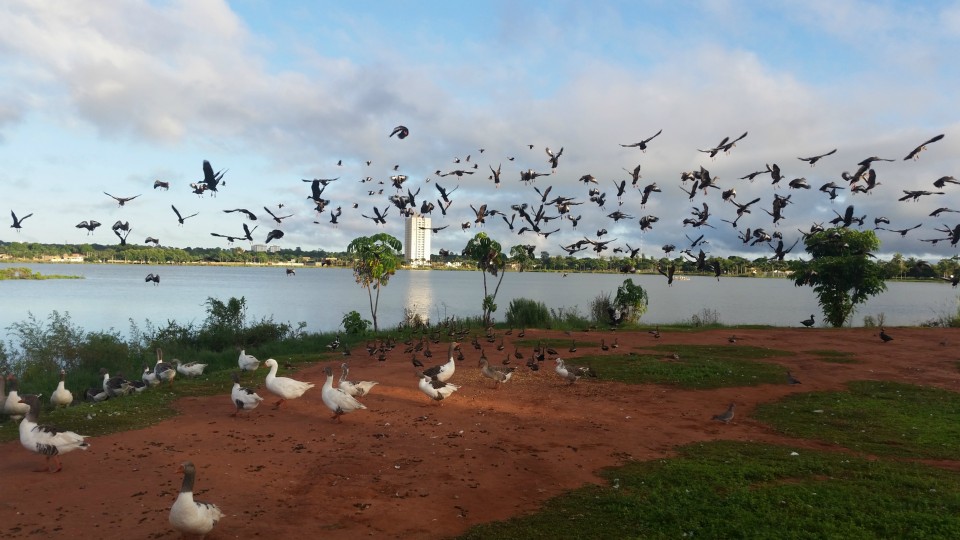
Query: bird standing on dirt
x=808 y=322
x=727 y=415
x=884 y=335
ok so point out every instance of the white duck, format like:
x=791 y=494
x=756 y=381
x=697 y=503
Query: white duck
x=149 y=377
x=355 y=389
x=245 y=399
x=498 y=374
x=46 y=440
x=61 y=397
x=572 y=373
x=247 y=362
x=437 y=390
x=189 y=516
x=115 y=386
x=285 y=387
x=164 y=371
x=443 y=372
x=336 y=399
x=13 y=407
x=190 y=369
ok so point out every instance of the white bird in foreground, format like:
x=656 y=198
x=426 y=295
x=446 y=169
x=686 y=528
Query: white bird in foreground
x=355 y=389
x=247 y=362
x=190 y=369
x=245 y=399
x=46 y=440
x=285 y=387
x=189 y=516
x=437 y=390
x=443 y=372
x=61 y=397
x=337 y=400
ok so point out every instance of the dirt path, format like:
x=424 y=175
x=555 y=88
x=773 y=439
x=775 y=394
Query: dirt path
x=409 y=468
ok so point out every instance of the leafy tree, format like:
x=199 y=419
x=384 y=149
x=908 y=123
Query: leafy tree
x=841 y=271
x=376 y=258
x=521 y=257
x=486 y=252
x=631 y=300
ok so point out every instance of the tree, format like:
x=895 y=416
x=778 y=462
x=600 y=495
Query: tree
x=521 y=257
x=631 y=300
x=841 y=271
x=376 y=258
x=486 y=252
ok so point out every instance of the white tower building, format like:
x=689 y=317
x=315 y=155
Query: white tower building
x=416 y=240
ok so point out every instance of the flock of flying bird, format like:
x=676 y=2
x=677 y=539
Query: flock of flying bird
x=533 y=217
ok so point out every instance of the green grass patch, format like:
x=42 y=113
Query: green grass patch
x=731 y=489
x=876 y=417
x=835 y=357
x=699 y=366
x=26 y=273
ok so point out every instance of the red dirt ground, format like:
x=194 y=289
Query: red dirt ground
x=409 y=468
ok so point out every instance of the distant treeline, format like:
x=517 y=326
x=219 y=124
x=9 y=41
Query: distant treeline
x=898 y=267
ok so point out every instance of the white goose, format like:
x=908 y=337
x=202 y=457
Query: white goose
x=443 y=372
x=285 y=387
x=189 y=516
x=437 y=390
x=149 y=377
x=245 y=399
x=190 y=369
x=355 y=389
x=337 y=400
x=164 y=371
x=61 y=397
x=247 y=362
x=46 y=440
x=572 y=373
x=13 y=407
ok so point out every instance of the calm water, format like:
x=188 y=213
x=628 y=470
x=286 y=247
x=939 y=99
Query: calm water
x=111 y=295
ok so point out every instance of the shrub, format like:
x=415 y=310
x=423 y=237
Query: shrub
x=527 y=312
x=353 y=323
x=600 y=307
x=631 y=300
x=706 y=317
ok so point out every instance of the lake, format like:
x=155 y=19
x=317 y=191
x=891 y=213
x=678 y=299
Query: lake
x=111 y=295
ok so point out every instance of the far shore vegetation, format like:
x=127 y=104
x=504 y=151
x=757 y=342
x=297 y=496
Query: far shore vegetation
x=26 y=273
x=897 y=267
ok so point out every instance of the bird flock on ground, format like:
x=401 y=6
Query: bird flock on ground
x=342 y=397
x=545 y=211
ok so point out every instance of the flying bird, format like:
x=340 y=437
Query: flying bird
x=400 y=131
x=18 y=222
x=161 y=184
x=274 y=235
x=915 y=153
x=180 y=218
x=250 y=215
x=812 y=160
x=276 y=218
x=211 y=179
x=642 y=145
x=88 y=225
x=121 y=200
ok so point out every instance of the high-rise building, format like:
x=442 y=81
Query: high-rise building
x=416 y=244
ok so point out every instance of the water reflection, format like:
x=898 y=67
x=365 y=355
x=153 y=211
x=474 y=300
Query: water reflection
x=419 y=293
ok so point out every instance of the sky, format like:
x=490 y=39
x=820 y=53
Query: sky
x=110 y=96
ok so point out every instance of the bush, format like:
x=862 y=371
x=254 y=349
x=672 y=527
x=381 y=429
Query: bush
x=568 y=318
x=526 y=312
x=706 y=317
x=353 y=323
x=600 y=307
x=631 y=300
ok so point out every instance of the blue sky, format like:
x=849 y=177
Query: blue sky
x=109 y=96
